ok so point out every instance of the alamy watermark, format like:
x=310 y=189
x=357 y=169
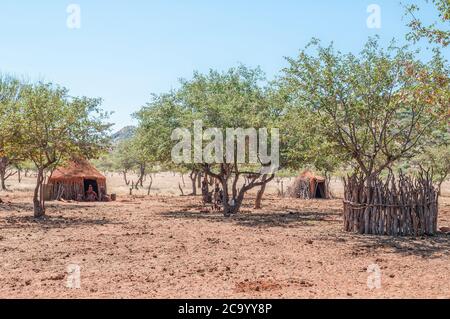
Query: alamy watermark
x=228 y=148
x=374 y=278
x=74 y=19
x=374 y=19
x=73 y=276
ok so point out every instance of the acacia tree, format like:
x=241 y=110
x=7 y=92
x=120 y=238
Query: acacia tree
x=131 y=154
x=233 y=99
x=374 y=109
x=52 y=127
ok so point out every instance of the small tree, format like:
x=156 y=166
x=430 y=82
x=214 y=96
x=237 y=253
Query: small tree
x=372 y=110
x=123 y=159
x=54 y=127
x=375 y=110
x=142 y=157
x=232 y=99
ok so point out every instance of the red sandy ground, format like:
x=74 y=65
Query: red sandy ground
x=166 y=247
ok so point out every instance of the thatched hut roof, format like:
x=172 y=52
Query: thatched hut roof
x=75 y=170
x=308 y=175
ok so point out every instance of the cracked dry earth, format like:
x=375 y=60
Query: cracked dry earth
x=165 y=247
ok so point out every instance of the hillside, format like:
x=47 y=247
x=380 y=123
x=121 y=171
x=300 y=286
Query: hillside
x=123 y=134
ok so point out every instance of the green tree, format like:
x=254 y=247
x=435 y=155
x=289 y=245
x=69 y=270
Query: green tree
x=143 y=156
x=132 y=155
x=123 y=159
x=232 y=99
x=371 y=110
x=53 y=127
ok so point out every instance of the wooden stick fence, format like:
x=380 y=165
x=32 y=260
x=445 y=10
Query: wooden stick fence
x=402 y=206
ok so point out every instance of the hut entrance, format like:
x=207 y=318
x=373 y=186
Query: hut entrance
x=320 y=191
x=91 y=182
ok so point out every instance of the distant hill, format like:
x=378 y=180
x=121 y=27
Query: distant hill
x=125 y=133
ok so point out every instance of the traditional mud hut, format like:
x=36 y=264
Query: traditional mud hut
x=71 y=181
x=309 y=186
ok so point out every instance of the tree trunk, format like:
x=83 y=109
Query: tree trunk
x=227 y=210
x=127 y=182
x=141 y=175
x=150 y=186
x=3 y=180
x=193 y=176
x=199 y=178
x=234 y=187
x=19 y=176
x=131 y=188
x=439 y=185
x=3 y=165
x=260 y=194
x=234 y=206
x=205 y=190
x=328 y=194
x=38 y=200
x=181 y=189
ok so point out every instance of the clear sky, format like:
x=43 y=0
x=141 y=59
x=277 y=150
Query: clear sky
x=126 y=50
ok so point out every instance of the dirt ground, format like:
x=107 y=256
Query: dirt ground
x=164 y=246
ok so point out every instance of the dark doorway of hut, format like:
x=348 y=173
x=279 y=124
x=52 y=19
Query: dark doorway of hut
x=91 y=182
x=320 y=191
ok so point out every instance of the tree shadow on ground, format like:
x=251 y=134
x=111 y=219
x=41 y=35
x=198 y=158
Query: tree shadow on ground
x=28 y=207
x=50 y=222
x=53 y=220
x=426 y=247
x=259 y=220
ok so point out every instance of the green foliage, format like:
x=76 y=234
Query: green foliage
x=51 y=126
x=437 y=32
x=157 y=120
x=42 y=124
x=368 y=111
x=10 y=89
x=226 y=100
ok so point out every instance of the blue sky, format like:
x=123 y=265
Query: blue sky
x=126 y=50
